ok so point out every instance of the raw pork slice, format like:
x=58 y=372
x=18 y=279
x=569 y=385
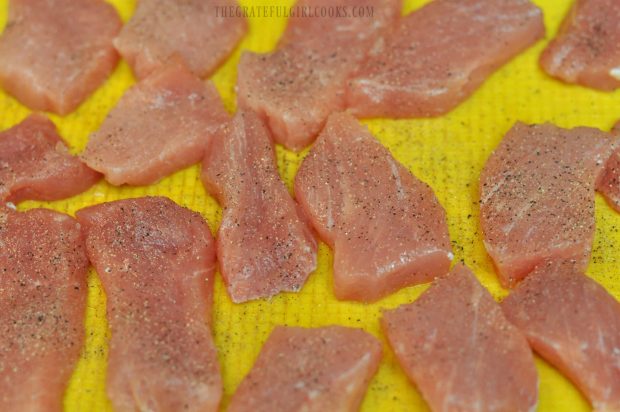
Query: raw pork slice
x=264 y=246
x=156 y=261
x=159 y=126
x=314 y=370
x=440 y=54
x=537 y=196
x=457 y=347
x=35 y=164
x=195 y=31
x=573 y=323
x=303 y=81
x=55 y=53
x=587 y=48
x=609 y=183
x=386 y=227
x=43 y=269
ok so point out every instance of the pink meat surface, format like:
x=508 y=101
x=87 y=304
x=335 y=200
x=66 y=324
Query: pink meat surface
x=35 y=164
x=296 y=87
x=386 y=227
x=55 y=53
x=456 y=346
x=160 y=125
x=156 y=261
x=312 y=370
x=194 y=31
x=440 y=54
x=43 y=268
x=609 y=183
x=264 y=245
x=537 y=196
x=587 y=48
x=572 y=322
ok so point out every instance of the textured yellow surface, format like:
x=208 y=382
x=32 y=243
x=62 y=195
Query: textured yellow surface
x=447 y=152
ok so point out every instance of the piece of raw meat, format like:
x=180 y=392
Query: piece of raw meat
x=537 y=196
x=587 y=48
x=264 y=246
x=609 y=183
x=440 y=54
x=386 y=227
x=43 y=268
x=313 y=370
x=194 y=31
x=574 y=323
x=456 y=346
x=161 y=125
x=35 y=164
x=296 y=87
x=55 y=53
x=156 y=261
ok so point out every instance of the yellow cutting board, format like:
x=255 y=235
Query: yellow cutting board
x=447 y=152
